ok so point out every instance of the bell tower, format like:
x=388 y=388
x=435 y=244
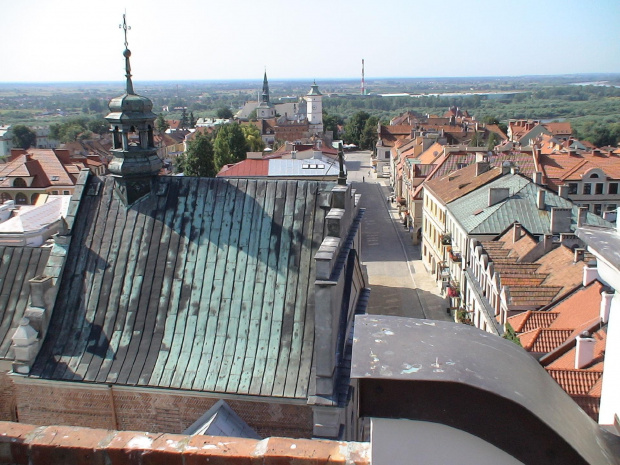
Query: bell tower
x=314 y=110
x=265 y=109
x=135 y=161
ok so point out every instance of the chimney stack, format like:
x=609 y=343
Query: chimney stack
x=590 y=273
x=563 y=191
x=497 y=194
x=582 y=215
x=579 y=253
x=537 y=177
x=516 y=232
x=585 y=350
x=481 y=167
x=606 y=297
x=547 y=242
x=540 y=199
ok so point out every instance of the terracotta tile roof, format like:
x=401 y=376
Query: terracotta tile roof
x=44 y=166
x=562 y=269
x=459 y=183
x=589 y=404
x=390 y=134
x=532 y=295
x=495 y=128
x=567 y=360
x=531 y=320
x=575 y=382
x=543 y=341
x=563 y=128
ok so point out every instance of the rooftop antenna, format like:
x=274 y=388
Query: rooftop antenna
x=363 y=85
x=127 y=54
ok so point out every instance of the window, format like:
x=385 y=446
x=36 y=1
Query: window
x=54 y=192
x=572 y=188
x=594 y=175
x=598 y=208
x=598 y=188
x=387 y=154
x=613 y=187
x=66 y=193
x=611 y=207
x=55 y=178
x=586 y=205
x=587 y=188
x=21 y=199
x=19 y=182
x=4 y=197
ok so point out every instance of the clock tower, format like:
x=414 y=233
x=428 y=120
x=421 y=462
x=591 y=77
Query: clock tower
x=314 y=101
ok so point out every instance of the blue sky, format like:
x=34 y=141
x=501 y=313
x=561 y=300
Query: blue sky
x=79 y=40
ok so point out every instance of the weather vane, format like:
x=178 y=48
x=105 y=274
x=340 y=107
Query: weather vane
x=125 y=29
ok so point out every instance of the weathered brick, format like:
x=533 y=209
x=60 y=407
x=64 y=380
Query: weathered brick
x=220 y=451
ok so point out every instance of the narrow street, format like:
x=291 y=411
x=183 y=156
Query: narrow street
x=400 y=285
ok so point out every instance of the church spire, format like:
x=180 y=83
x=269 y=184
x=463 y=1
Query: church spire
x=265 y=97
x=127 y=54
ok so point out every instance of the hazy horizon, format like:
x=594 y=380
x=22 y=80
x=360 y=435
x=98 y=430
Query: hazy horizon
x=77 y=41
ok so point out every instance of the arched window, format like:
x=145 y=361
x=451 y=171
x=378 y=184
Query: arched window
x=19 y=182
x=594 y=175
x=4 y=197
x=21 y=199
x=33 y=199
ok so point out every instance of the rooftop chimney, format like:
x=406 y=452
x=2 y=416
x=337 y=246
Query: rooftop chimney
x=579 y=252
x=572 y=153
x=540 y=199
x=585 y=350
x=516 y=232
x=590 y=273
x=563 y=191
x=497 y=194
x=606 y=297
x=481 y=167
x=561 y=220
x=547 y=242
x=582 y=215
x=537 y=177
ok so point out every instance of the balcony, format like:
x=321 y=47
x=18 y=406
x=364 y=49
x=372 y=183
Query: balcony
x=446 y=239
x=454 y=255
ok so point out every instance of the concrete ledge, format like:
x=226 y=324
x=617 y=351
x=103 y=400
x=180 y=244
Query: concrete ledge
x=51 y=445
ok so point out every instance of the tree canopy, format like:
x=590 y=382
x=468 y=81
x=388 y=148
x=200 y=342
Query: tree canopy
x=253 y=138
x=354 y=127
x=161 y=124
x=23 y=137
x=229 y=146
x=198 y=160
x=224 y=113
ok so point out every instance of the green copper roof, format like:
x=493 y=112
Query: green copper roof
x=476 y=217
x=204 y=285
x=314 y=90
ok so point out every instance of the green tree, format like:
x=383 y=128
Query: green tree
x=369 y=136
x=184 y=120
x=198 y=160
x=493 y=140
x=355 y=126
x=192 y=120
x=230 y=145
x=253 y=115
x=161 y=124
x=23 y=137
x=331 y=123
x=253 y=138
x=98 y=126
x=224 y=113
x=71 y=133
x=95 y=105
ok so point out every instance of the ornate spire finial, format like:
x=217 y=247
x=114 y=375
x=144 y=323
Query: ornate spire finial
x=127 y=54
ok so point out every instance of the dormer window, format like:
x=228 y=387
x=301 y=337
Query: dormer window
x=19 y=182
x=55 y=178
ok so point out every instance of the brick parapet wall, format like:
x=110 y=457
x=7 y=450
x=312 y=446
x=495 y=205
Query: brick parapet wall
x=51 y=445
x=7 y=398
x=142 y=410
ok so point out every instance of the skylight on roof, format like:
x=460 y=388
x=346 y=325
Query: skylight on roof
x=55 y=178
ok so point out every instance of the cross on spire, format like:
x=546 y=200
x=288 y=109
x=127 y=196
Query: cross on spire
x=127 y=54
x=125 y=29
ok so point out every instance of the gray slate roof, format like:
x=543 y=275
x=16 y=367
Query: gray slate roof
x=476 y=217
x=17 y=266
x=205 y=285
